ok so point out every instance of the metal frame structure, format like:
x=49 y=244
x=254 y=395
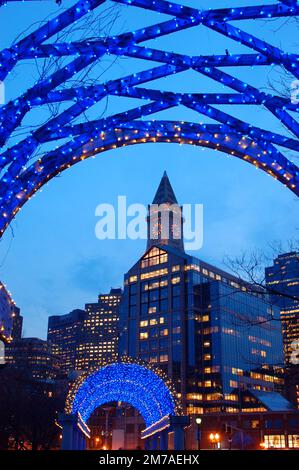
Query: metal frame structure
x=128 y=380
x=23 y=174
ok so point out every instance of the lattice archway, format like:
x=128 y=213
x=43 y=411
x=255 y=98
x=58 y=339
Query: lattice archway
x=130 y=381
x=23 y=173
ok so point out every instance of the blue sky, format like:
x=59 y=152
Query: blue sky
x=53 y=262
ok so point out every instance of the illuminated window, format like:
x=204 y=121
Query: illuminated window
x=213 y=396
x=153 y=359
x=194 y=410
x=230 y=397
x=175 y=268
x=133 y=279
x=159 y=272
x=194 y=396
x=236 y=371
x=164 y=332
x=163 y=357
x=258 y=352
x=144 y=335
x=143 y=323
x=154 y=257
x=212 y=329
x=152 y=309
x=255 y=424
x=276 y=441
x=293 y=440
x=153 y=321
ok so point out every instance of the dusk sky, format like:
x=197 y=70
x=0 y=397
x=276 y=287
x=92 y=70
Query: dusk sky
x=51 y=260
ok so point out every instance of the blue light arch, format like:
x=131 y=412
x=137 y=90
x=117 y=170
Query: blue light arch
x=130 y=381
x=27 y=162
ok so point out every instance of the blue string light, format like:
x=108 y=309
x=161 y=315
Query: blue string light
x=23 y=174
x=126 y=381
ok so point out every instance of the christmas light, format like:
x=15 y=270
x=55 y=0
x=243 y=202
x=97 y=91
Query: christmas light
x=23 y=174
x=128 y=380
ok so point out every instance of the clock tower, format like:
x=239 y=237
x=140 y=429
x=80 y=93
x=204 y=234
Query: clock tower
x=165 y=218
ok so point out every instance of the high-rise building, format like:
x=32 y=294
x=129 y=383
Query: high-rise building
x=100 y=331
x=32 y=355
x=165 y=218
x=8 y=311
x=65 y=333
x=204 y=327
x=83 y=339
x=283 y=282
x=17 y=324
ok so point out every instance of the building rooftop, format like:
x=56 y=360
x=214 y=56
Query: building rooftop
x=273 y=401
x=165 y=193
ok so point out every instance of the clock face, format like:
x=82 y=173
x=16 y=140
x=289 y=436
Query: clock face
x=156 y=229
x=159 y=229
x=176 y=231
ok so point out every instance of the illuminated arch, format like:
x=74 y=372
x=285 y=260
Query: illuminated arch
x=210 y=136
x=131 y=381
x=23 y=172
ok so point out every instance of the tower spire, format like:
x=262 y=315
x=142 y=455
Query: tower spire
x=165 y=218
x=165 y=193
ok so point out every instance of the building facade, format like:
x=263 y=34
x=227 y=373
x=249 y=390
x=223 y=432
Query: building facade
x=100 y=331
x=10 y=319
x=84 y=339
x=65 y=334
x=283 y=278
x=283 y=282
x=32 y=355
x=205 y=328
x=17 y=324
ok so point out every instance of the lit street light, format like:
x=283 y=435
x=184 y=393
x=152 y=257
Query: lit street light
x=198 y=437
x=215 y=439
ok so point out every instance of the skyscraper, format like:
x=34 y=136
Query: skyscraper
x=165 y=218
x=8 y=311
x=65 y=333
x=204 y=327
x=83 y=339
x=100 y=331
x=32 y=355
x=17 y=324
x=283 y=281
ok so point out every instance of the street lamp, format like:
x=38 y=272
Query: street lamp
x=215 y=439
x=198 y=433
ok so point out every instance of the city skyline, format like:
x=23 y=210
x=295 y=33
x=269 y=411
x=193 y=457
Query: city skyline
x=50 y=258
x=149 y=297
x=95 y=269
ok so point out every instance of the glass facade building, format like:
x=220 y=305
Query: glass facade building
x=33 y=355
x=8 y=311
x=202 y=326
x=100 y=331
x=283 y=278
x=65 y=333
x=83 y=339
